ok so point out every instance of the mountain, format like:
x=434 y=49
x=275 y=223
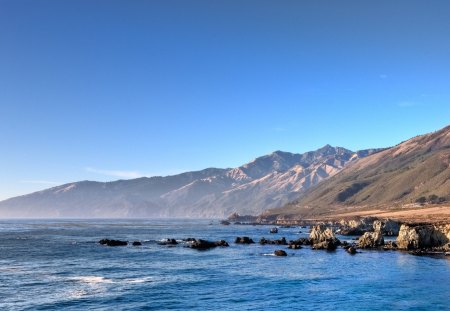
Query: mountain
x=411 y=174
x=267 y=182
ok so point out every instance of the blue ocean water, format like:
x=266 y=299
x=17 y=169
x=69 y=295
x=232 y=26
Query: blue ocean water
x=59 y=265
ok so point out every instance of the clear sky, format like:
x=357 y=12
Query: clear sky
x=102 y=90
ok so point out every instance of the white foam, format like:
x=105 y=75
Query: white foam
x=91 y=279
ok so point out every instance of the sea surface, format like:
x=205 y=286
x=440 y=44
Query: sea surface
x=59 y=265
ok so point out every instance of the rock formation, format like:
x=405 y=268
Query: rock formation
x=371 y=240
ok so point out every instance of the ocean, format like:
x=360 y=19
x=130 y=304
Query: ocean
x=59 y=265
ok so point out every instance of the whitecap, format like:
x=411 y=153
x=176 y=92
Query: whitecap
x=91 y=279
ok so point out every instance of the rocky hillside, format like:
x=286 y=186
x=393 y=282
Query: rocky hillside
x=414 y=174
x=267 y=182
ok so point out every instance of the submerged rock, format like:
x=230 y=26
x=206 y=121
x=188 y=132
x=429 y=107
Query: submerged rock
x=109 y=242
x=371 y=240
x=280 y=252
x=294 y=246
x=243 y=240
x=168 y=242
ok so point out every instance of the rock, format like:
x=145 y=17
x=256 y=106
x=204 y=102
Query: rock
x=109 y=242
x=320 y=233
x=243 y=240
x=387 y=227
x=274 y=230
x=323 y=238
x=281 y=241
x=225 y=222
x=294 y=246
x=204 y=244
x=280 y=252
x=412 y=237
x=446 y=247
x=137 y=243
x=301 y=241
x=371 y=240
x=390 y=245
x=351 y=231
x=351 y=250
x=329 y=244
x=169 y=242
x=356 y=226
x=222 y=243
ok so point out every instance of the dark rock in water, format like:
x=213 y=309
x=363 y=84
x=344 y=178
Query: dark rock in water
x=109 y=242
x=137 y=243
x=225 y=222
x=281 y=241
x=351 y=250
x=243 y=240
x=204 y=244
x=168 y=242
x=280 y=252
x=294 y=246
x=329 y=244
x=352 y=231
x=274 y=230
x=390 y=245
x=222 y=243
x=301 y=241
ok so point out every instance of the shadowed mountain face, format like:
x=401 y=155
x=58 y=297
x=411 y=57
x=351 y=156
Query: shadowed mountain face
x=416 y=169
x=267 y=182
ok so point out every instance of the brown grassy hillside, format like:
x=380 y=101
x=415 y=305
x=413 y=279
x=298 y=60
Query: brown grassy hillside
x=417 y=170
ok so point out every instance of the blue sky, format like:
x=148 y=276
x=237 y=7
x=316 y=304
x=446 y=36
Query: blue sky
x=102 y=90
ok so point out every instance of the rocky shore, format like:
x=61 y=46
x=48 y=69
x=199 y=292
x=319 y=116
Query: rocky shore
x=367 y=233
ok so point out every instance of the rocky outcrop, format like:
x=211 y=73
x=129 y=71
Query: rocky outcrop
x=356 y=226
x=371 y=240
x=412 y=237
x=136 y=243
x=323 y=237
x=109 y=242
x=280 y=252
x=320 y=233
x=204 y=244
x=387 y=227
x=244 y=240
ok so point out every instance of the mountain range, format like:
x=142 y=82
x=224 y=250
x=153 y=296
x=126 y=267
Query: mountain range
x=267 y=182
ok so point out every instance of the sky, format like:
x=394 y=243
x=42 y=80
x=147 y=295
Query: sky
x=106 y=90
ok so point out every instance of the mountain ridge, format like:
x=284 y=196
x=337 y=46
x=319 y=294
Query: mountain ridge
x=266 y=182
x=408 y=175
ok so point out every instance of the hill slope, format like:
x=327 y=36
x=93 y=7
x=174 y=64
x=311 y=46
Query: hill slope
x=398 y=177
x=267 y=182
